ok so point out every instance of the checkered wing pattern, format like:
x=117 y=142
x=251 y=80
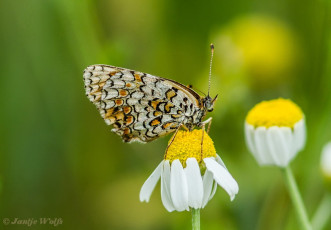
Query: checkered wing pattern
x=139 y=106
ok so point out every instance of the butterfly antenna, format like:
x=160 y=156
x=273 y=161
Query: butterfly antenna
x=211 y=63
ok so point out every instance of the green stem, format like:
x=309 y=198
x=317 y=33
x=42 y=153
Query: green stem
x=296 y=199
x=323 y=213
x=195 y=219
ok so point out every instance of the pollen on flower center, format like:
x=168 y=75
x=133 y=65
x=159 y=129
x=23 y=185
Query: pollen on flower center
x=188 y=144
x=278 y=112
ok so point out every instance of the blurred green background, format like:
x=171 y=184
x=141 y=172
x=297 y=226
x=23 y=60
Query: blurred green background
x=59 y=159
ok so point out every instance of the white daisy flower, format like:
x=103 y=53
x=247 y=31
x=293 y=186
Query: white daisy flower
x=326 y=161
x=275 y=132
x=188 y=178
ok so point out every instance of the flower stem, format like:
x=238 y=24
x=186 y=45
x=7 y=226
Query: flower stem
x=296 y=199
x=195 y=219
x=323 y=213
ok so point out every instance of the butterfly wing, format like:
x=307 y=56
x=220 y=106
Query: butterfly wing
x=141 y=107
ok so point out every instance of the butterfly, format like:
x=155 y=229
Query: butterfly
x=142 y=107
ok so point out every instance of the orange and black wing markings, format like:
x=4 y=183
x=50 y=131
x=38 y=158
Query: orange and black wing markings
x=139 y=106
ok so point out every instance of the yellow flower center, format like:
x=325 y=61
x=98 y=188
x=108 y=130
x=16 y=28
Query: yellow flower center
x=188 y=144
x=278 y=112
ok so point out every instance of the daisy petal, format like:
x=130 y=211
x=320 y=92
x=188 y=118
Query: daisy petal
x=178 y=186
x=222 y=177
x=214 y=190
x=149 y=185
x=220 y=161
x=194 y=183
x=326 y=160
x=287 y=138
x=300 y=134
x=207 y=187
x=249 y=137
x=165 y=187
x=262 y=155
x=277 y=146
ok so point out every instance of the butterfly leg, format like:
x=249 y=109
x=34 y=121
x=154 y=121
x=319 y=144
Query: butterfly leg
x=185 y=128
x=203 y=124
x=210 y=120
x=172 y=139
x=202 y=136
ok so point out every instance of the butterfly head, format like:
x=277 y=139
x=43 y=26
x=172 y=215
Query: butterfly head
x=208 y=103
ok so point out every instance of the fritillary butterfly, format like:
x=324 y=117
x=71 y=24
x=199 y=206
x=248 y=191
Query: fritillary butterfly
x=142 y=107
